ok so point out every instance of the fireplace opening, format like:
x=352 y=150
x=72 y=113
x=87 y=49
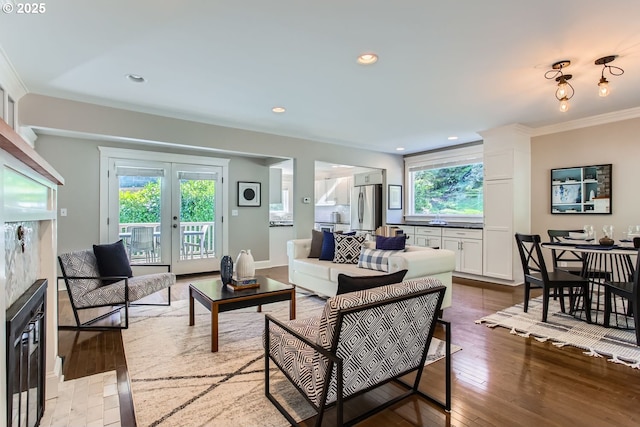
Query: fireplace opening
x=26 y=357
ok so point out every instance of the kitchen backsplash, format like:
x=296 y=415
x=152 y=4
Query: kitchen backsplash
x=323 y=213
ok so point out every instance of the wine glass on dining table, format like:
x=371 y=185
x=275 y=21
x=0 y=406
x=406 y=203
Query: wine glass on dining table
x=589 y=231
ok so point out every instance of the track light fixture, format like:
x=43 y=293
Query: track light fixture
x=564 y=91
x=603 y=84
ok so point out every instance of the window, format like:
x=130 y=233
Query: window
x=446 y=184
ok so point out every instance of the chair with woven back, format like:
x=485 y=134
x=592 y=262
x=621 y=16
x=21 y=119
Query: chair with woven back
x=536 y=275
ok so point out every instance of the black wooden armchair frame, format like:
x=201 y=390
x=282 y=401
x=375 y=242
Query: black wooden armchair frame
x=333 y=359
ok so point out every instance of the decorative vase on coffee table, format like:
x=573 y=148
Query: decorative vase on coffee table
x=245 y=266
x=226 y=269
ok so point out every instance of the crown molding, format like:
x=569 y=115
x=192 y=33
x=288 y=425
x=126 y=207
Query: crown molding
x=9 y=78
x=616 y=116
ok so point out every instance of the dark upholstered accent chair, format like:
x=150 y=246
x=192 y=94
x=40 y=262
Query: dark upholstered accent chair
x=363 y=339
x=86 y=289
x=536 y=275
x=628 y=290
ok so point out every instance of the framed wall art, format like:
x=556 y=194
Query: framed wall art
x=395 y=197
x=581 y=190
x=248 y=193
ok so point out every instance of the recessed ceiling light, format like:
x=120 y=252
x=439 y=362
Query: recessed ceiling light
x=135 y=78
x=367 y=58
x=400 y=149
x=278 y=109
x=452 y=138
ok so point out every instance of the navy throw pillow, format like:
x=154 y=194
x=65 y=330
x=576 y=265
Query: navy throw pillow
x=112 y=261
x=359 y=283
x=328 y=246
x=396 y=243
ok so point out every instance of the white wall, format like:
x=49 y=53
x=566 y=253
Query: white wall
x=77 y=159
x=616 y=143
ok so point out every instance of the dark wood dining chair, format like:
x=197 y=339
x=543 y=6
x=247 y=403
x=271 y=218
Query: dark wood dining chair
x=536 y=275
x=573 y=261
x=628 y=290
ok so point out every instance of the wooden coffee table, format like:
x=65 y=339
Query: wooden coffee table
x=218 y=298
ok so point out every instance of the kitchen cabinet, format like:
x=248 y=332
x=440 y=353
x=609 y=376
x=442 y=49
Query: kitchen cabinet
x=367 y=178
x=467 y=245
x=430 y=237
x=409 y=231
x=333 y=191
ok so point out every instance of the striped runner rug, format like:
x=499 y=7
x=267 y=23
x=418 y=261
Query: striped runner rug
x=617 y=345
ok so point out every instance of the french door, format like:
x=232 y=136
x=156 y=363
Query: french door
x=167 y=212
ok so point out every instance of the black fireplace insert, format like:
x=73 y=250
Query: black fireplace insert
x=26 y=357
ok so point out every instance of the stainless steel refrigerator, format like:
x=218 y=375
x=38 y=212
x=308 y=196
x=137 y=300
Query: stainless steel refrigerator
x=366 y=207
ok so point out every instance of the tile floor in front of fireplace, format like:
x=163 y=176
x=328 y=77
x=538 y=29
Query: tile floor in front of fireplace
x=84 y=402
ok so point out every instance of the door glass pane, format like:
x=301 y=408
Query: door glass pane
x=139 y=212
x=197 y=214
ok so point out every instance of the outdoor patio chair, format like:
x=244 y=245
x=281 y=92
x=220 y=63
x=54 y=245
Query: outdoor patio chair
x=142 y=241
x=89 y=289
x=363 y=339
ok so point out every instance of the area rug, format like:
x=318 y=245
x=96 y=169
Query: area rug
x=177 y=381
x=617 y=345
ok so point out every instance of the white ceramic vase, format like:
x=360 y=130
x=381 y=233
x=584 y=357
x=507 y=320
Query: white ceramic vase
x=245 y=266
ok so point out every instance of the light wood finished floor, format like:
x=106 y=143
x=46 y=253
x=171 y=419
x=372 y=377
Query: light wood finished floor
x=499 y=379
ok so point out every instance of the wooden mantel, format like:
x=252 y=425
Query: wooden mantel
x=14 y=144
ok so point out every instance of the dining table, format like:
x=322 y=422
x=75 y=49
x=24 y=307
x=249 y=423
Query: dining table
x=603 y=263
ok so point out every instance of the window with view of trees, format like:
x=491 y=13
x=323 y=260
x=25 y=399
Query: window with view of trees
x=455 y=190
x=446 y=184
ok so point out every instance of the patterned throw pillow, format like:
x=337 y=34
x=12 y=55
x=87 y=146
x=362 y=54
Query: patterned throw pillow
x=347 y=249
x=375 y=259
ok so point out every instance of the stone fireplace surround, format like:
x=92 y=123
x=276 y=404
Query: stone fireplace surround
x=28 y=194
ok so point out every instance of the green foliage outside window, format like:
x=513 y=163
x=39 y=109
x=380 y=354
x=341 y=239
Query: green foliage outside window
x=142 y=204
x=455 y=190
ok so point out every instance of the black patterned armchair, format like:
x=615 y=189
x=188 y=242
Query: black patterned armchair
x=363 y=339
x=88 y=289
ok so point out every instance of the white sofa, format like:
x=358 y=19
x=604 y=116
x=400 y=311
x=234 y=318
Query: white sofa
x=321 y=277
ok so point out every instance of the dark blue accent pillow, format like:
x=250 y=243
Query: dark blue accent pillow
x=396 y=243
x=328 y=246
x=112 y=260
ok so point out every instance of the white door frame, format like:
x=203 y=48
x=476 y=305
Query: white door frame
x=109 y=153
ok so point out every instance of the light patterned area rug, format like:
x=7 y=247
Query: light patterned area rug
x=177 y=381
x=617 y=345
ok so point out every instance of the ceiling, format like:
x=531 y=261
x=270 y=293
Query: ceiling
x=445 y=68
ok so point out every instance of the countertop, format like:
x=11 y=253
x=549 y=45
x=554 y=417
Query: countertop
x=470 y=225
x=280 y=223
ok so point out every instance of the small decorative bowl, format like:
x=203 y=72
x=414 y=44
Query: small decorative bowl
x=606 y=241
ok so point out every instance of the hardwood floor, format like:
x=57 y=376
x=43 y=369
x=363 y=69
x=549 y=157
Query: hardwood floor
x=498 y=379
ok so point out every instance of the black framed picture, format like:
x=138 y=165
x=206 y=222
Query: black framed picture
x=395 y=197
x=582 y=190
x=248 y=193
